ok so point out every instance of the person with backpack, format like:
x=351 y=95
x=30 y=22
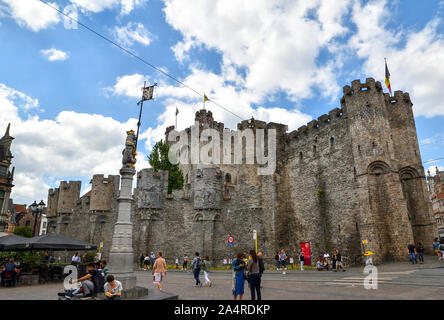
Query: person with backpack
x=206 y=266
x=197 y=265
x=146 y=263
x=92 y=283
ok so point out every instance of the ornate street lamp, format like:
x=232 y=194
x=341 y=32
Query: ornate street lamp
x=36 y=210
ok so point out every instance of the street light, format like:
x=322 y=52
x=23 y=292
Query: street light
x=36 y=210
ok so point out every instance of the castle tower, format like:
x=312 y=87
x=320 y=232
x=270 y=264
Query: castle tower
x=409 y=164
x=102 y=192
x=383 y=208
x=6 y=177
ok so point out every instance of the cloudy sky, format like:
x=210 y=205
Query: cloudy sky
x=70 y=96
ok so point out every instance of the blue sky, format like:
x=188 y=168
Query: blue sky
x=70 y=95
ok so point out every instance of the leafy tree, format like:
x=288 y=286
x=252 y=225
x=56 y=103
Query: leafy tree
x=23 y=231
x=158 y=159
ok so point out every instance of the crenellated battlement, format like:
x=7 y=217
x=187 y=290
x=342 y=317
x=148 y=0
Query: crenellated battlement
x=313 y=127
x=358 y=87
x=399 y=96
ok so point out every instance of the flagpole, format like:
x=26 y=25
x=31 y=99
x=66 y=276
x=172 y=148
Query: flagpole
x=176 y=118
x=140 y=114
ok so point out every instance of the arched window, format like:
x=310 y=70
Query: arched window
x=332 y=141
x=228 y=178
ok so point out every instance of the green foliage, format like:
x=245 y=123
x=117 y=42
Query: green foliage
x=158 y=159
x=320 y=193
x=23 y=231
x=90 y=256
x=29 y=259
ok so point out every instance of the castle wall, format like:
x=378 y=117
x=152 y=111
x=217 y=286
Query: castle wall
x=351 y=175
x=320 y=186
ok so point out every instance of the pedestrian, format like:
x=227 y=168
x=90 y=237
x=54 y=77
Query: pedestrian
x=277 y=257
x=261 y=266
x=92 y=282
x=238 y=283
x=436 y=248
x=319 y=264
x=104 y=267
x=146 y=262
x=420 y=252
x=9 y=269
x=159 y=271
x=141 y=259
x=333 y=260
x=196 y=265
x=75 y=260
x=254 y=276
x=152 y=258
x=412 y=256
x=113 y=288
x=185 y=262
x=301 y=259
x=339 y=262
x=206 y=266
x=284 y=258
x=326 y=260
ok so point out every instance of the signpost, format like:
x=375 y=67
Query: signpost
x=255 y=239
x=230 y=243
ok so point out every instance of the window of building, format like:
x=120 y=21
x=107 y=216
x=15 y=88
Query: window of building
x=28 y=223
x=3 y=171
x=2 y=199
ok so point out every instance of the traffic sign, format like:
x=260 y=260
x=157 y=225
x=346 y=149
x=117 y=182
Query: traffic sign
x=230 y=240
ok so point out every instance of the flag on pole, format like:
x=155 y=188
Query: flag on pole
x=206 y=98
x=148 y=93
x=177 y=111
x=387 y=78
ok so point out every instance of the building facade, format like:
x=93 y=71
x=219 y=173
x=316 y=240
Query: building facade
x=353 y=174
x=436 y=190
x=6 y=179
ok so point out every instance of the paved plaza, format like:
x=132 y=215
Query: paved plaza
x=396 y=281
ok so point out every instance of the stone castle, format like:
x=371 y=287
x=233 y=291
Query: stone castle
x=353 y=174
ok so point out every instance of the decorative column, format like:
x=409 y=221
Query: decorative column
x=121 y=262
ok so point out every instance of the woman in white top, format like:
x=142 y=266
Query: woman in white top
x=113 y=288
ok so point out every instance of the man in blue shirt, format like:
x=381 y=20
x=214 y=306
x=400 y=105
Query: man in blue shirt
x=9 y=269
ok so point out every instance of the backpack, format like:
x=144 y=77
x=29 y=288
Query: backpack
x=199 y=263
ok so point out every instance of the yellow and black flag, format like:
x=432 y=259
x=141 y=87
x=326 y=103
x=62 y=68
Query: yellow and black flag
x=387 y=78
x=205 y=100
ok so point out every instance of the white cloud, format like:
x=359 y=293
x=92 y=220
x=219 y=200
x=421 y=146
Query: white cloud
x=128 y=85
x=277 y=42
x=32 y=14
x=72 y=145
x=415 y=58
x=55 y=54
x=131 y=33
x=99 y=5
x=237 y=101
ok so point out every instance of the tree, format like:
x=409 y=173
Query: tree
x=158 y=159
x=23 y=231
